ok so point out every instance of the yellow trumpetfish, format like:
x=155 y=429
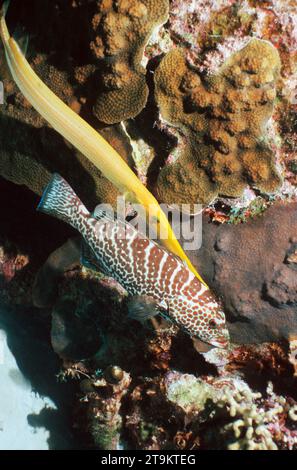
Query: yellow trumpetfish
x=89 y=142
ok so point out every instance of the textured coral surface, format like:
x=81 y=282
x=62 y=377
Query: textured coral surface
x=121 y=30
x=222 y=118
x=252 y=266
x=31 y=151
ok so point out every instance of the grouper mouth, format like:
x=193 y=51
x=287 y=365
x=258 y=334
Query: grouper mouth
x=222 y=343
x=204 y=346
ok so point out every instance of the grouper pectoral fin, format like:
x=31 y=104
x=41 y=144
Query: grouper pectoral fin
x=89 y=260
x=144 y=307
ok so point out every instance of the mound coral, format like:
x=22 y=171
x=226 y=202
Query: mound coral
x=222 y=118
x=30 y=151
x=121 y=30
x=252 y=267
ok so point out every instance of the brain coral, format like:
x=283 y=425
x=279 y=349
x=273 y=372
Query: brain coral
x=223 y=118
x=121 y=30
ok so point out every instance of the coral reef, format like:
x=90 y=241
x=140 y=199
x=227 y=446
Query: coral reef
x=30 y=151
x=210 y=413
x=271 y=360
x=252 y=267
x=10 y=263
x=75 y=333
x=129 y=387
x=211 y=31
x=247 y=420
x=72 y=72
x=223 y=119
x=121 y=30
x=45 y=289
x=287 y=123
x=98 y=413
x=149 y=386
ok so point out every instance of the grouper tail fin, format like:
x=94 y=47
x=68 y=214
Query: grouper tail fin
x=60 y=201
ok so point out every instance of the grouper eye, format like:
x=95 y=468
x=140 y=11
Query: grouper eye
x=212 y=324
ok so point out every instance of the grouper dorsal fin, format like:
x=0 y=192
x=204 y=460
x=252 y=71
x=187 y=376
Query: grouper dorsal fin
x=104 y=214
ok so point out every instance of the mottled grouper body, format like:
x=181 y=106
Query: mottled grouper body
x=157 y=281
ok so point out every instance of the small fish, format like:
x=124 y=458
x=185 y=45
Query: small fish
x=157 y=281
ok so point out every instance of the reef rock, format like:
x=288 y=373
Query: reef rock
x=101 y=401
x=253 y=268
x=75 y=334
x=222 y=117
x=209 y=413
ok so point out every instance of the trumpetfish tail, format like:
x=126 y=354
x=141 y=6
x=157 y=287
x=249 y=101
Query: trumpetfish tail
x=84 y=138
x=4 y=31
